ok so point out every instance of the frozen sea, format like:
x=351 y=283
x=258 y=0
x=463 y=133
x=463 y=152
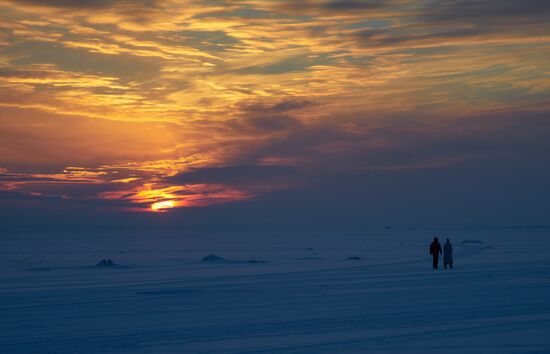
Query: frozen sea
x=275 y=293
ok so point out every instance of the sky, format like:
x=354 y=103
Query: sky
x=274 y=114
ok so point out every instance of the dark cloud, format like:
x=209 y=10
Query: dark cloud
x=266 y=124
x=450 y=20
x=240 y=175
x=472 y=10
x=268 y=117
x=280 y=106
x=435 y=22
x=389 y=37
x=312 y=7
x=356 y=4
x=401 y=142
x=24 y=73
x=262 y=124
x=87 y=4
x=518 y=17
x=443 y=9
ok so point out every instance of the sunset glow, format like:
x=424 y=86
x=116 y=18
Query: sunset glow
x=162 y=206
x=127 y=104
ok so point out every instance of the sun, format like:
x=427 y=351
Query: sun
x=162 y=206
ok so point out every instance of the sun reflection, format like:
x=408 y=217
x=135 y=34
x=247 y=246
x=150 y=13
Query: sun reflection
x=162 y=206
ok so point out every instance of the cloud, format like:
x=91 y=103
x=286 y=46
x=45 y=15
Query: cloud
x=489 y=10
x=259 y=117
x=286 y=65
x=356 y=4
x=398 y=142
x=239 y=175
x=122 y=65
x=281 y=106
x=452 y=23
x=86 y=4
x=330 y=7
x=126 y=103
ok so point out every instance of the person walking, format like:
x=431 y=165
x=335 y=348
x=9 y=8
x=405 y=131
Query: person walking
x=448 y=254
x=435 y=251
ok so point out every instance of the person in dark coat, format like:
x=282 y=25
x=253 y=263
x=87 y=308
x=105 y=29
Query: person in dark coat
x=447 y=254
x=435 y=251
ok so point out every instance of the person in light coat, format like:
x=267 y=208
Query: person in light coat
x=448 y=254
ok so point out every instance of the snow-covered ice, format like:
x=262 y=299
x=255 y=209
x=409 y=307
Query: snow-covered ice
x=371 y=292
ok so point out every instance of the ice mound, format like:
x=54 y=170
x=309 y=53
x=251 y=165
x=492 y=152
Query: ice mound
x=213 y=258
x=106 y=263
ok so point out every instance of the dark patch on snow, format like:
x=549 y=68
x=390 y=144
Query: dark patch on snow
x=212 y=258
x=354 y=258
x=254 y=261
x=309 y=258
x=472 y=241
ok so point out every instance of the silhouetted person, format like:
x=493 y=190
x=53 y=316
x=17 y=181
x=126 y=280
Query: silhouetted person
x=447 y=254
x=435 y=251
